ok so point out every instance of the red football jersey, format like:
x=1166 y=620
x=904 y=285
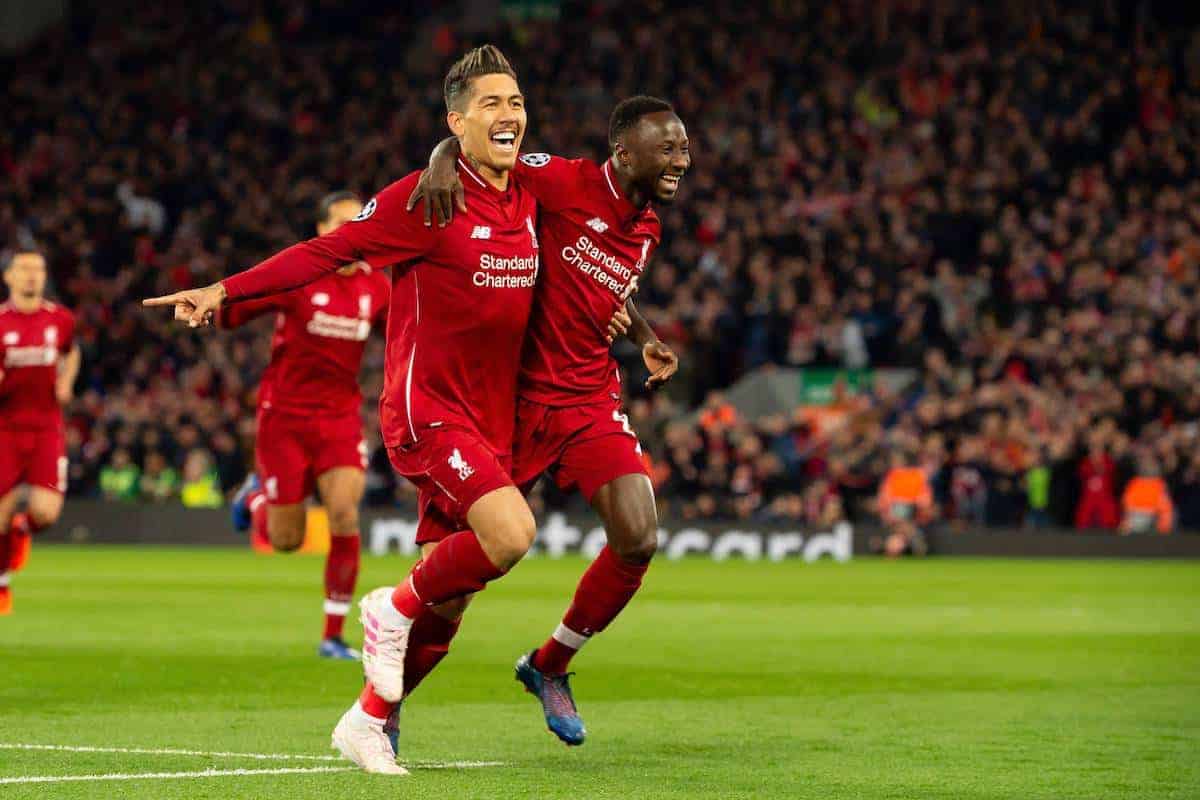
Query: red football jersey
x=30 y=345
x=320 y=333
x=460 y=303
x=595 y=248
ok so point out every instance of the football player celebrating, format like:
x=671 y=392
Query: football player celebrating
x=598 y=229
x=459 y=307
x=309 y=430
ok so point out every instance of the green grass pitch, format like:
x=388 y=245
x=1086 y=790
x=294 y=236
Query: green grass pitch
x=955 y=679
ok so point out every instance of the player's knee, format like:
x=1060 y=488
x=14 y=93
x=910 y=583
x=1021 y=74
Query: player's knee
x=286 y=537
x=633 y=532
x=512 y=538
x=637 y=541
x=343 y=518
x=44 y=515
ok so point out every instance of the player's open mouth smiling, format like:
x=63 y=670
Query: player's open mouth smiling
x=670 y=182
x=505 y=141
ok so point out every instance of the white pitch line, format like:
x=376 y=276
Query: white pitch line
x=173 y=751
x=166 y=751
x=143 y=776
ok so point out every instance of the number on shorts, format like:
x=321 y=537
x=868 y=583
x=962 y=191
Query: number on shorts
x=624 y=420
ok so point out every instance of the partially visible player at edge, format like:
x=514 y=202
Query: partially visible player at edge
x=460 y=304
x=309 y=428
x=39 y=362
x=598 y=230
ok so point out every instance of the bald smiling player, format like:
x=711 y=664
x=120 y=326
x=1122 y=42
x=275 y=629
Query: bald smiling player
x=598 y=230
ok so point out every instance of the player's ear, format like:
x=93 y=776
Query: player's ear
x=458 y=125
x=621 y=153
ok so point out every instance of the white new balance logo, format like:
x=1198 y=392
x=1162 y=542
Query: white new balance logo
x=459 y=464
x=481 y=232
x=597 y=224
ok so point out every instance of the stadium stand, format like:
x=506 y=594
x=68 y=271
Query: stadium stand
x=1006 y=202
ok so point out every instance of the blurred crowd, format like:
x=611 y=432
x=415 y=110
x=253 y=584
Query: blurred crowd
x=1001 y=198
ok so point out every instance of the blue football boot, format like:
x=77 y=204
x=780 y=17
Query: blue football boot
x=240 y=512
x=392 y=727
x=335 y=648
x=557 y=702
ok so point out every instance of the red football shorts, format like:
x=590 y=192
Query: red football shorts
x=582 y=447
x=452 y=468
x=37 y=458
x=292 y=450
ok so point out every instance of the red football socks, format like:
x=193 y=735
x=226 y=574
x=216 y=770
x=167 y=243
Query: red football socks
x=6 y=538
x=341 y=573
x=20 y=540
x=456 y=567
x=604 y=590
x=428 y=643
x=373 y=704
x=260 y=539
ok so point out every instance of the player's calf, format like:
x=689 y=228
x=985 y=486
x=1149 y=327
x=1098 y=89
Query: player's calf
x=341 y=575
x=42 y=509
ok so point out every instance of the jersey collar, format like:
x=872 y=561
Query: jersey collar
x=474 y=177
x=9 y=305
x=627 y=212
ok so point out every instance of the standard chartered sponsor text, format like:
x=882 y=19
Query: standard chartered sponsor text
x=598 y=265
x=37 y=356
x=491 y=269
x=334 y=327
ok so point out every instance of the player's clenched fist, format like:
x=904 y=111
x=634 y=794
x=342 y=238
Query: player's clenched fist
x=193 y=306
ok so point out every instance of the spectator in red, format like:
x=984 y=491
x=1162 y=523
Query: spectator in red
x=1097 y=490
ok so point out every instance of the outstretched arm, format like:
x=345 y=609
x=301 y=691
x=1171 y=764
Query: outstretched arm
x=288 y=269
x=238 y=314
x=381 y=235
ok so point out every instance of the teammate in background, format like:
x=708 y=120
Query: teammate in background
x=309 y=429
x=459 y=308
x=598 y=230
x=38 y=366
